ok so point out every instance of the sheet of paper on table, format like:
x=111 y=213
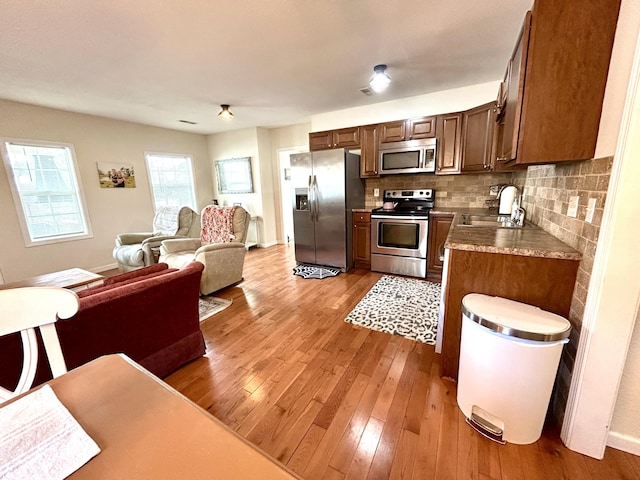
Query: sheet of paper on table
x=41 y=439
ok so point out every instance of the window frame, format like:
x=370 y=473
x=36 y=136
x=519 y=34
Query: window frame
x=194 y=198
x=17 y=198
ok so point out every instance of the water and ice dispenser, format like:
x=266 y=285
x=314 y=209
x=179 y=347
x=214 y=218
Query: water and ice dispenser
x=509 y=356
x=302 y=199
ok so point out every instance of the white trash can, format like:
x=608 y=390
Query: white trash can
x=509 y=356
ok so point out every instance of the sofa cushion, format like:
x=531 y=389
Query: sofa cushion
x=156 y=267
x=129 y=255
x=101 y=288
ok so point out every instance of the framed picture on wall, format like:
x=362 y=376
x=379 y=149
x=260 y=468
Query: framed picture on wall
x=116 y=175
x=234 y=175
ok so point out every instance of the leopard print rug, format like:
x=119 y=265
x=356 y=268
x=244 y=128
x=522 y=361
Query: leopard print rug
x=400 y=306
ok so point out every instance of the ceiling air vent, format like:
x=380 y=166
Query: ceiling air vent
x=367 y=91
x=189 y=122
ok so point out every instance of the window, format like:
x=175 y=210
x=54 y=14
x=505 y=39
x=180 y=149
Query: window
x=44 y=184
x=171 y=178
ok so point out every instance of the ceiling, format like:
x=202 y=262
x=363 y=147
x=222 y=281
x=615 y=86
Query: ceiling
x=276 y=62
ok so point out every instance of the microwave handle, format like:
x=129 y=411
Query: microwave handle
x=423 y=159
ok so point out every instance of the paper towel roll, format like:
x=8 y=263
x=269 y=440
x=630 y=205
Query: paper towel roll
x=507 y=196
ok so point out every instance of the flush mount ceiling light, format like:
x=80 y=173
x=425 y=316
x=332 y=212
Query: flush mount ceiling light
x=225 y=113
x=380 y=80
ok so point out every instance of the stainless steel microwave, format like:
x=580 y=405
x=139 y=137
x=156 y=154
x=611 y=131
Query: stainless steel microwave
x=412 y=156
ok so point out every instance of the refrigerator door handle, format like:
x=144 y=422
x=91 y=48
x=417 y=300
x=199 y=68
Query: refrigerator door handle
x=311 y=198
x=316 y=212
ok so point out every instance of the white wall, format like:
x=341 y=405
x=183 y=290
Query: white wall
x=285 y=138
x=592 y=415
x=111 y=211
x=618 y=78
x=625 y=426
x=447 y=101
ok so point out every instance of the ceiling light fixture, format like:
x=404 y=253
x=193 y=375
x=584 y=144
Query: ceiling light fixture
x=380 y=80
x=225 y=113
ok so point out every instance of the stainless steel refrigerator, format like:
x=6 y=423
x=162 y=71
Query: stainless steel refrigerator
x=327 y=186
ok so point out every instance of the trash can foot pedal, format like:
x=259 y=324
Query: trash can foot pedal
x=485 y=428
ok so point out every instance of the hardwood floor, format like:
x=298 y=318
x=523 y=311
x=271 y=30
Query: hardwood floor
x=335 y=401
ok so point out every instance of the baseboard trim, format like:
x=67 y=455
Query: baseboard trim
x=103 y=268
x=267 y=245
x=626 y=443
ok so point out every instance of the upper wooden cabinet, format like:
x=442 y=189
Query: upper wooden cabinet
x=409 y=129
x=423 y=127
x=551 y=99
x=449 y=134
x=477 y=138
x=393 y=131
x=341 y=138
x=369 y=151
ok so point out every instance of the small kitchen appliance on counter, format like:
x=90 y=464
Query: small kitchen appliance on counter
x=399 y=232
x=506 y=197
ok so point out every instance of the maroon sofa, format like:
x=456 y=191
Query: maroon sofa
x=150 y=314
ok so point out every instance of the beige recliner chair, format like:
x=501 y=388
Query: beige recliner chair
x=137 y=250
x=221 y=247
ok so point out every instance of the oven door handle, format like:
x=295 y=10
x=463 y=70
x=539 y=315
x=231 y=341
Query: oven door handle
x=400 y=217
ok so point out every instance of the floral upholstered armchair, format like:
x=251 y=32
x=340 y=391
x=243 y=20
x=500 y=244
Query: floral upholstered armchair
x=136 y=250
x=221 y=247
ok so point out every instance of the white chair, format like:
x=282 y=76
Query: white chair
x=24 y=309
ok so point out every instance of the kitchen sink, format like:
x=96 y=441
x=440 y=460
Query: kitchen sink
x=469 y=220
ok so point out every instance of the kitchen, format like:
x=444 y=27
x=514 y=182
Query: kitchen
x=548 y=189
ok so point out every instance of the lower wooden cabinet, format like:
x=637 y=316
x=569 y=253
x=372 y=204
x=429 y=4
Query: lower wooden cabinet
x=543 y=282
x=362 y=239
x=439 y=224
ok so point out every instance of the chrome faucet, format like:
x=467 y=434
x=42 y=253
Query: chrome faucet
x=517 y=217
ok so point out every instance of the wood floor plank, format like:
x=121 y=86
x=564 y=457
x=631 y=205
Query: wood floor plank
x=468 y=439
x=384 y=457
x=366 y=450
x=383 y=404
x=281 y=358
x=347 y=445
x=320 y=459
x=427 y=451
x=305 y=449
x=403 y=460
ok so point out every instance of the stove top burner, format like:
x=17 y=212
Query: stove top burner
x=408 y=202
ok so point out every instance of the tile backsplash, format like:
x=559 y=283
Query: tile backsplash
x=469 y=190
x=547 y=193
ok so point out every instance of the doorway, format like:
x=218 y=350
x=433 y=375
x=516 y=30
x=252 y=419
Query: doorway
x=286 y=194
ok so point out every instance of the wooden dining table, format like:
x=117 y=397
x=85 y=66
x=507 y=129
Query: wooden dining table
x=146 y=429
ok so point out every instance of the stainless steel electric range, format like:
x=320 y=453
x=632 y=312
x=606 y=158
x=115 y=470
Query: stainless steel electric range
x=399 y=231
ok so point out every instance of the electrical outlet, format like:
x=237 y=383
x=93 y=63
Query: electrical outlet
x=591 y=208
x=376 y=192
x=572 y=211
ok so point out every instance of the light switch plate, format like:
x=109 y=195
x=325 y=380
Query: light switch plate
x=572 y=211
x=591 y=208
x=376 y=192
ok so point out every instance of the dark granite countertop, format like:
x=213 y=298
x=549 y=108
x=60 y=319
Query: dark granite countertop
x=529 y=241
